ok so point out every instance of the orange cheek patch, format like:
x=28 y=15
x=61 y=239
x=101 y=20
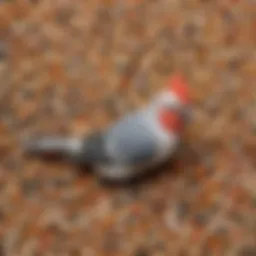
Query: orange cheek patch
x=170 y=121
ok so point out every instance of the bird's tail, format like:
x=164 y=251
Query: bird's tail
x=53 y=146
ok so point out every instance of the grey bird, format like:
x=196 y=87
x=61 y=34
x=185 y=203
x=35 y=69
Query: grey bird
x=137 y=142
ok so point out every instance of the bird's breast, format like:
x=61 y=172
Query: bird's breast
x=167 y=141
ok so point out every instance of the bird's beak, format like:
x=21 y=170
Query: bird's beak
x=187 y=115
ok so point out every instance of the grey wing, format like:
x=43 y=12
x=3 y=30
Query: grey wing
x=131 y=141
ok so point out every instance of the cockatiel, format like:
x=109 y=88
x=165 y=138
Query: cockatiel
x=137 y=142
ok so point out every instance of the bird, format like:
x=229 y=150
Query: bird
x=139 y=141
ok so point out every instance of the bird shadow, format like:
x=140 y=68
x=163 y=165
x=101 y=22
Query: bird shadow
x=185 y=156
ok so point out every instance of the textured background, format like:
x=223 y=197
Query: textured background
x=71 y=66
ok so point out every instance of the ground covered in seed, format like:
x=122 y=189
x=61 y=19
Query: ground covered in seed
x=68 y=67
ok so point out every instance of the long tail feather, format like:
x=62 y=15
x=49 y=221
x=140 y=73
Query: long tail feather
x=57 y=146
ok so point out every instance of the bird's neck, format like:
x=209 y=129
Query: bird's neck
x=163 y=120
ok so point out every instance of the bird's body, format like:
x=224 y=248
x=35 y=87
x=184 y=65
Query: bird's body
x=135 y=143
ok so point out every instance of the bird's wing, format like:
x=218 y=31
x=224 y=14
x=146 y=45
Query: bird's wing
x=131 y=140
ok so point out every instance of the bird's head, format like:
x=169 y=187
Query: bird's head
x=173 y=104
